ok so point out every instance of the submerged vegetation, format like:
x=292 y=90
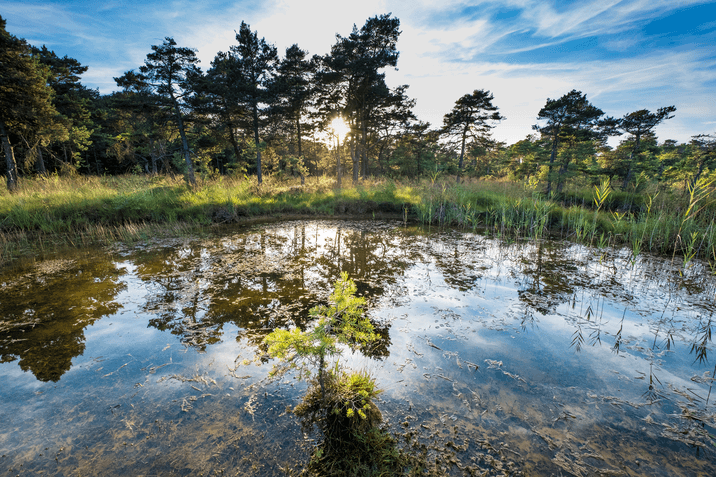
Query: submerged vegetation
x=150 y=340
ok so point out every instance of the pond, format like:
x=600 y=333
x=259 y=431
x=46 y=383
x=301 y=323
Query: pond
x=526 y=358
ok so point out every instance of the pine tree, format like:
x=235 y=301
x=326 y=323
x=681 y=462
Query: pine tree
x=472 y=117
x=25 y=98
x=571 y=117
x=293 y=91
x=638 y=124
x=353 y=85
x=167 y=72
x=255 y=62
x=219 y=99
x=73 y=128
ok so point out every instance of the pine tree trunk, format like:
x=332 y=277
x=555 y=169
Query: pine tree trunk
x=185 y=145
x=96 y=161
x=298 y=140
x=153 y=155
x=364 y=154
x=234 y=142
x=298 y=133
x=552 y=156
x=356 y=164
x=40 y=162
x=634 y=151
x=256 y=141
x=338 y=162
x=9 y=159
x=462 y=156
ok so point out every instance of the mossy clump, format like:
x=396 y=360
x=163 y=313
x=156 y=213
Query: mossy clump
x=347 y=409
x=353 y=441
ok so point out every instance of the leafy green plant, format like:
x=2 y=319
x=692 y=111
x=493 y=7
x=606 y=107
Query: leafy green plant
x=601 y=193
x=339 y=402
x=342 y=322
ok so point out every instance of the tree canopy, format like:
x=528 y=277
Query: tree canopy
x=25 y=97
x=256 y=112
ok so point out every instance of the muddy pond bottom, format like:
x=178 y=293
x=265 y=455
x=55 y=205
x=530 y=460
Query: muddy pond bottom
x=528 y=358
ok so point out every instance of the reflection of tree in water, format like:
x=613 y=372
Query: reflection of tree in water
x=263 y=279
x=461 y=258
x=45 y=311
x=554 y=277
x=548 y=279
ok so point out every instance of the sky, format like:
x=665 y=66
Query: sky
x=624 y=55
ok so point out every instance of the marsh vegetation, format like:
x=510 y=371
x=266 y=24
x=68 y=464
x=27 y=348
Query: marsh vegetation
x=539 y=308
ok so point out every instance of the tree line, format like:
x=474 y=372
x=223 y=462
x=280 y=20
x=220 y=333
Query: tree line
x=254 y=111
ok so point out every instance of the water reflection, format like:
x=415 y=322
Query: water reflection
x=264 y=279
x=46 y=307
x=540 y=357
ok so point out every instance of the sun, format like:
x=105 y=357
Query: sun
x=340 y=128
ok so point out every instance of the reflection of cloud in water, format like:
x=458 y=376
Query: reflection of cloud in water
x=479 y=345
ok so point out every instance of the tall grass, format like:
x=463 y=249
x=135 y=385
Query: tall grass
x=666 y=222
x=83 y=210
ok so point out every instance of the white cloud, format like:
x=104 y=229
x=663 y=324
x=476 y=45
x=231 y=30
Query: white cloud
x=442 y=52
x=596 y=17
x=616 y=86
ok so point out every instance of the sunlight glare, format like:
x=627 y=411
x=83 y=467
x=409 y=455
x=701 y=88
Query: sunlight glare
x=340 y=128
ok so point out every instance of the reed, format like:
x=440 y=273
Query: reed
x=85 y=210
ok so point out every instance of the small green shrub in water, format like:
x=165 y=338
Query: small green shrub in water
x=353 y=441
x=346 y=409
x=338 y=402
x=342 y=322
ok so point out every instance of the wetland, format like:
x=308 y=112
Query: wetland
x=521 y=357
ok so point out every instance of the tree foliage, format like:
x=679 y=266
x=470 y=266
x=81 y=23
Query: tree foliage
x=352 y=84
x=638 y=124
x=570 y=118
x=472 y=117
x=256 y=113
x=341 y=322
x=167 y=72
x=25 y=98
x=252 y=64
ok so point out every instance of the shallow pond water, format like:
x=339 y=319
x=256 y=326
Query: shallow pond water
x=528 y=358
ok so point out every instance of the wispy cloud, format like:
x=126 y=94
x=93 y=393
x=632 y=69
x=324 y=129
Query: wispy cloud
x=524 y=51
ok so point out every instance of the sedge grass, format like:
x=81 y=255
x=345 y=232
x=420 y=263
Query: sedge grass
x=81 y=210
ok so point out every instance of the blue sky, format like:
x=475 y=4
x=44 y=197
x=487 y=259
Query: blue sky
x=625 y=55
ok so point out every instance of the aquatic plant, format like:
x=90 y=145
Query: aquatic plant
x=342 y=322
x=699 y=192
x=338 y=402
x=344 y=411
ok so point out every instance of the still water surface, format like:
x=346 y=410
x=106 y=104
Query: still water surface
x=532 y=358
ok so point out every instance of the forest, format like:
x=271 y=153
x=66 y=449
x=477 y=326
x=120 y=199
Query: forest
x=258 y=111
x=264 y=134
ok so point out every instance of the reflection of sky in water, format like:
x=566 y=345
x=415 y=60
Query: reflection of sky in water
x=482 y=340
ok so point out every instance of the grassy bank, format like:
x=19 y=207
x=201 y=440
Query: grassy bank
x=79 y=211
x=672 y=222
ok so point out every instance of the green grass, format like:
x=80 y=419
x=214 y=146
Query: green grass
x=670 y=222
x=82 y=210
x=78 y=211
